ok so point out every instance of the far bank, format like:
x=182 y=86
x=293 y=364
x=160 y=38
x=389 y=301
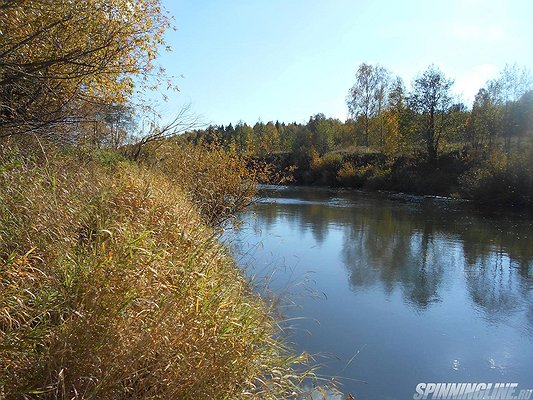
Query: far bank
x=488 y=180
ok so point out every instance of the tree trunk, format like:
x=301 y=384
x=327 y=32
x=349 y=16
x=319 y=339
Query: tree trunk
x=432 y=151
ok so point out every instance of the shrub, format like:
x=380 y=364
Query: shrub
x=348 y=176
x=218 y=181
x=500 y=180
x=354 y=176
x=378 y=177
x=325 y=168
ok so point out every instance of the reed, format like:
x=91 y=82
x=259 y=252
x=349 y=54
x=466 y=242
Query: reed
x=113 y=285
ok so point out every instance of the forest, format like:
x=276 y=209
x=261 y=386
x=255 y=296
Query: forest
x=421 y=141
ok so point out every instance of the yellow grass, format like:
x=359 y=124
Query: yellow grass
x=113 y=286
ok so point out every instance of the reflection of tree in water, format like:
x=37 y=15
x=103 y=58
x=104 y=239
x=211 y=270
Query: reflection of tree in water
x=481 y=241
x=305 y=216
x=496 y=286
x=317 y=220
x=529 y=315
x=383 y=245
x=268 y=216
x=423 y=278
x=498 y=264
x=413 y=246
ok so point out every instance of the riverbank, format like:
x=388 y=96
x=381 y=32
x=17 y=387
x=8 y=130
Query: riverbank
x=114 y=284
x=490 y=181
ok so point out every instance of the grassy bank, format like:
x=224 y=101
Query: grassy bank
x=113 y=284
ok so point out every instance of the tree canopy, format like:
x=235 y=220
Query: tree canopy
x=431 y=98
x=58 y=57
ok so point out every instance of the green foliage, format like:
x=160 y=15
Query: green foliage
x=351 y=176
x=108 y=158
x=367 y=98
x=372 y=176
x=431 y=99
x=325 y=168
x=378 y=177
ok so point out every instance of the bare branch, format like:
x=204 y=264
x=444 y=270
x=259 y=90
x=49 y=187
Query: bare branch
x=185 y=120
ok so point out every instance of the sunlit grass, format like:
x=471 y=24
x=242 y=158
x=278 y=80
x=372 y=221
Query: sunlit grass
x=114 y=286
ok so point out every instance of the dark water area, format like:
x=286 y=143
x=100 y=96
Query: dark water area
x=391 y=291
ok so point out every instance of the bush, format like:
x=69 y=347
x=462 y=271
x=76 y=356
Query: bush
x=351 y=176
x=218 y=181
x=378 y=177
x=500 y=180
x=368 y=175
x=325 y=168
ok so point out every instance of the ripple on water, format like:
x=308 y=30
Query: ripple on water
x=456 y=364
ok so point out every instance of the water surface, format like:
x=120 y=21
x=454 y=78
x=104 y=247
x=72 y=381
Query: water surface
x=418 y=290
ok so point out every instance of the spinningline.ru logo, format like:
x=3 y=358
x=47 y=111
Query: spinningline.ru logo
x=460 y=391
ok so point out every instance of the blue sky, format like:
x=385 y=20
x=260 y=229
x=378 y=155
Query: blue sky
x=288 y=59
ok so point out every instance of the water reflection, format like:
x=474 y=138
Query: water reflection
x=416 y=246
x=430 y=290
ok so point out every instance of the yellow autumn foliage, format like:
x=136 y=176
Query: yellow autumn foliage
x=57 y=55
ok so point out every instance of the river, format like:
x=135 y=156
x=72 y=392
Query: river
x=390 y=291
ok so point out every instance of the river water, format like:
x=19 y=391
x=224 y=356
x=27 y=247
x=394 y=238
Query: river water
x=390 y=291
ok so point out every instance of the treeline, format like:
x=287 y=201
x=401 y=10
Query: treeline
x=420 y=140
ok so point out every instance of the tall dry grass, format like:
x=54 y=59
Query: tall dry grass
x=219 y=181
x=113 y=286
